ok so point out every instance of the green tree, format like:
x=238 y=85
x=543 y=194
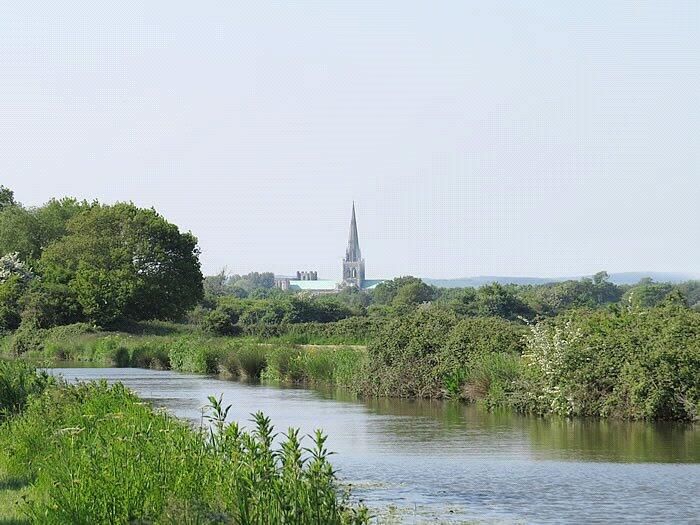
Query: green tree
x=222 y=321
x=691 y=291
x=554 y=298
x=7 y=197
x=53 y=217
x=462 y=301
x=215 y=285
x=15 y=276
x=414 y=293
x=386 y=292
x=647 y=293
x=11 y=290
x=495 y=300
x=20 y=232
x=126 y=262
x=50 y=304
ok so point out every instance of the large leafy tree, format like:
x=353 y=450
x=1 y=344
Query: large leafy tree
x=126 y=262
x=19 y=232
x=28 y=231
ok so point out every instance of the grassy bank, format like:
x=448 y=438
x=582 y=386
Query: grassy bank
x=634 y=363
x=240 y=357
x=12 y=494
x=92 y=453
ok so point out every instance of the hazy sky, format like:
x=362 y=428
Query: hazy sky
x=517 y=138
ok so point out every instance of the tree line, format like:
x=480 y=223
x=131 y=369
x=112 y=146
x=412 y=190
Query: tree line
x=227 y=309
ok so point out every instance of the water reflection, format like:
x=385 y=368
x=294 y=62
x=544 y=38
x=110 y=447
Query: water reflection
x=583 y=439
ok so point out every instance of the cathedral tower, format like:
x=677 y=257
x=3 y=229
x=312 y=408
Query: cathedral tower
x=353 y=263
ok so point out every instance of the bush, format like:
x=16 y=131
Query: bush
x=10 y=293
x=636 y=363
x=480 y=359
x=404 y=360
x=50 y=304
x=353 y=330
x=221 y=321
x=28 y=338
x=475 y=337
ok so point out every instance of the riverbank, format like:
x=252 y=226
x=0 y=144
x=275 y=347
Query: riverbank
x=623 y=363
x=232 y=357
x=93 y=453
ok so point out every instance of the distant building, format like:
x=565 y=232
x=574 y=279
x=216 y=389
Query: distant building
x=353 y=270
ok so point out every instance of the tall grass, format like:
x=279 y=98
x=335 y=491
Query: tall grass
x=203 y=354
x=338 y=366
x=489 y=379
x=18 y=381
x=97 y=454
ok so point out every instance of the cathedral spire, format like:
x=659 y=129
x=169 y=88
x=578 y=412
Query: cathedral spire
x=352 y=252
x=353 y=264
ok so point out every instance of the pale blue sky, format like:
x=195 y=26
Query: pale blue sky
x=517 y=138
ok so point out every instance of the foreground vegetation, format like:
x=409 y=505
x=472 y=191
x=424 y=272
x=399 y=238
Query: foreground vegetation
x=93 y=453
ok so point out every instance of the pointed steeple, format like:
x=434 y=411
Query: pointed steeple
x=352 y=252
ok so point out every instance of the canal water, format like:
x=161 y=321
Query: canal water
x=441 y=462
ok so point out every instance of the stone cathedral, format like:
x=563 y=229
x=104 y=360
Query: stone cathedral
x=353 y=270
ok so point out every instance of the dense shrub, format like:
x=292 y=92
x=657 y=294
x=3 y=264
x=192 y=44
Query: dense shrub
x=433 y=353
x=27 y=339
x=353 y=330
x=637 y=363
x=404 y=357
x=10 y=311
x=221 y=321
x=50 y=304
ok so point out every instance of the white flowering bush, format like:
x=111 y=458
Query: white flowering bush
x=11 y=265
x=547 y=362
x=638 y=363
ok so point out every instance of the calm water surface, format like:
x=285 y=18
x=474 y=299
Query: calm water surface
x=417 y=461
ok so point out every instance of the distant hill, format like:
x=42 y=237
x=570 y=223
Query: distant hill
x=617 y=278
